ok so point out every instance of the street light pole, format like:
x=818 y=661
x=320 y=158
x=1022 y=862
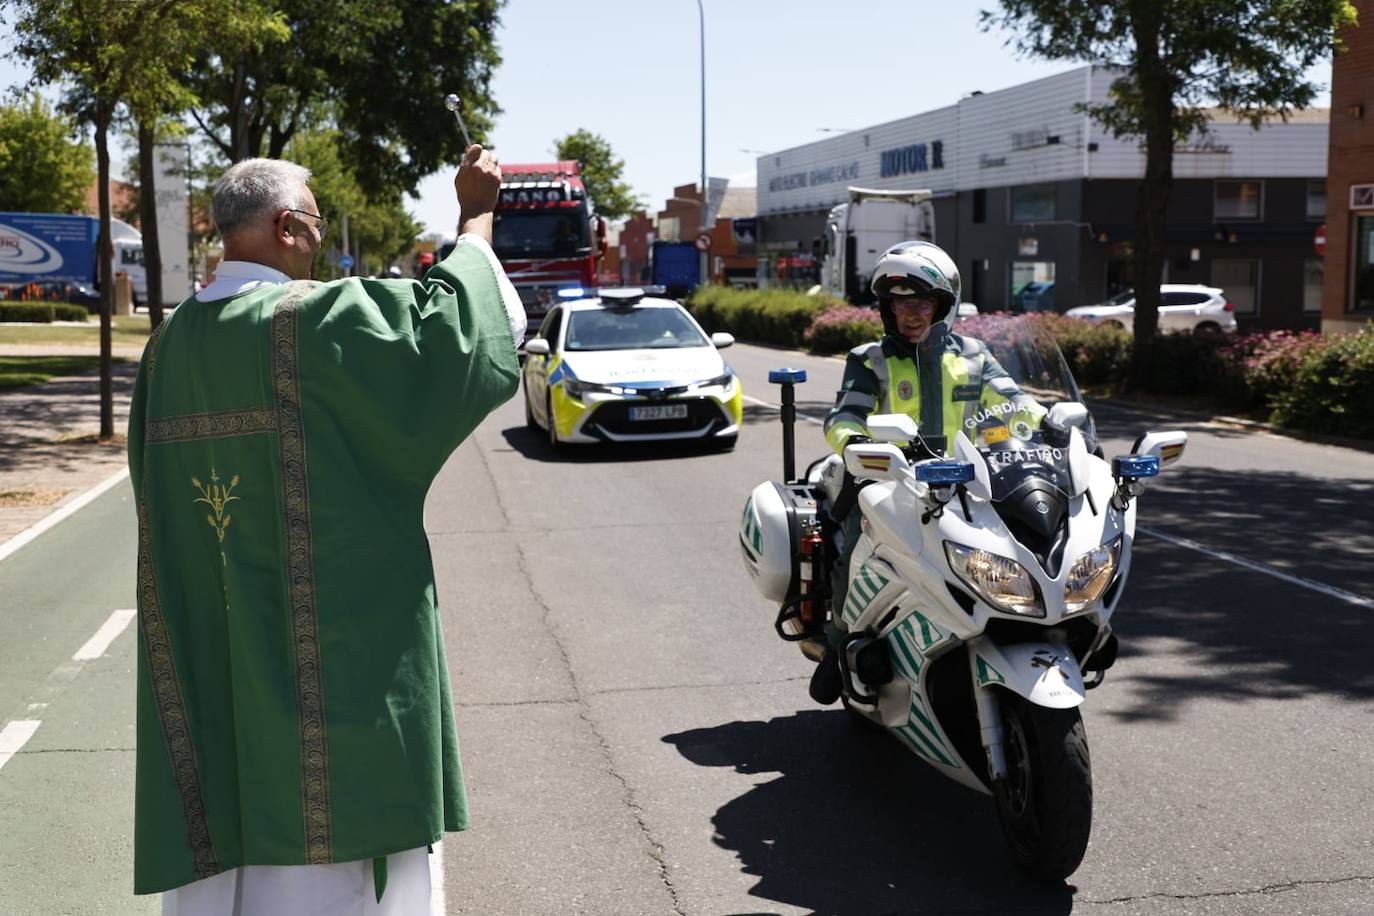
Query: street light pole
x=704 y=210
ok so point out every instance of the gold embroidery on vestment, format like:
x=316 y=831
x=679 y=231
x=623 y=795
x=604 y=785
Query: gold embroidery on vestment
x=286 y=386
x=217 y=425
x=217 y=496
x=171 y=706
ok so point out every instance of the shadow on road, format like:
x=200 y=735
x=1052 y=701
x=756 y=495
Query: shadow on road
x=534 y=444
x=855 y=824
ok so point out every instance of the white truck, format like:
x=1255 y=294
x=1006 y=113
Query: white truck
x=858 y=231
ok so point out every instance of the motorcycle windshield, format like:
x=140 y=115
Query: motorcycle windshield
x=1007 y=425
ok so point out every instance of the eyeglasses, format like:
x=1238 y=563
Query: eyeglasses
x=322 y=225
x=914 y=304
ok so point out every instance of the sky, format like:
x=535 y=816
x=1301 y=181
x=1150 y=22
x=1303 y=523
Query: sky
x=778 y=75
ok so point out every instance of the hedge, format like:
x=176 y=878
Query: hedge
x=41 y=312
x=1301 y=381
x=772 y=316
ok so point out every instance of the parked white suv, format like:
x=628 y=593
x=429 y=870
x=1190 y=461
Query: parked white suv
x=1184 y=307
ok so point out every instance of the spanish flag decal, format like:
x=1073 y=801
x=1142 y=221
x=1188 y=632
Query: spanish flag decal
x=1170 y=452
x=881 y=463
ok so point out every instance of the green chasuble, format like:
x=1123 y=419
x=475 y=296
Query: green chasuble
x=293 y=699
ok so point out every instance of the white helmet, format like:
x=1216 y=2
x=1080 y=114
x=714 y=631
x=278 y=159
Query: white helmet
x=917 y=268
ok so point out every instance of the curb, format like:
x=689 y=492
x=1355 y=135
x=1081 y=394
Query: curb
x=61 y=513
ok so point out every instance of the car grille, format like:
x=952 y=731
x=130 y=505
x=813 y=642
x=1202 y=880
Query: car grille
x=614 y=417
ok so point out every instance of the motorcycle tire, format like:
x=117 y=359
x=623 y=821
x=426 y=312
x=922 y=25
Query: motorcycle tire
x=1045 y=804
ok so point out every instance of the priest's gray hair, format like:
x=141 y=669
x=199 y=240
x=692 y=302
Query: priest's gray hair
x=254 y=188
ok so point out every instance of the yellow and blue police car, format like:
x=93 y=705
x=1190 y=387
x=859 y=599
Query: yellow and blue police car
x=618 y=365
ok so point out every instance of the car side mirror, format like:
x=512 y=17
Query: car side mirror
x=720 y=340
x=537 y=346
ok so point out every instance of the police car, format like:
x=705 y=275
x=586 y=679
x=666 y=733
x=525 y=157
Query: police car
x=621 y=366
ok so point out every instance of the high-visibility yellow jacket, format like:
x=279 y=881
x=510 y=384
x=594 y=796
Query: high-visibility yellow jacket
x=946 y=384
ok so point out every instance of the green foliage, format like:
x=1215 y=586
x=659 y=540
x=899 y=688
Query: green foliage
x=29 y=312
x=43 y=169
x=763 y=316
x=381 y=225
x=376 y=71
x=601 y=172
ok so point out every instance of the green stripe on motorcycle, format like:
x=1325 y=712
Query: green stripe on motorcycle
x=988 y=674
x=912 y=743
x=937 y=745
x=910 y=656
x=931 y=752
x=931 y=635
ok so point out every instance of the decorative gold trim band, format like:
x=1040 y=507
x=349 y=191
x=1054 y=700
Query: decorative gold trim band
x=171 y=706
x=286 y=386
x=212 y=425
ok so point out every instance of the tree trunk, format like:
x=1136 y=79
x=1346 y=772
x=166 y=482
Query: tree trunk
x=152 y=253
x=1153 y=197
x=105 y=252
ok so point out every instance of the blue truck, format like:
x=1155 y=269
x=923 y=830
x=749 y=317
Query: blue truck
x=54 y=248
x=676 y=267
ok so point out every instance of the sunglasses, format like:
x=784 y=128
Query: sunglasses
x=322 y=226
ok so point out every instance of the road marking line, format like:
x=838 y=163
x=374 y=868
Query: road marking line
x=800 y=415
x=108 y=632
x=437 y=905
x=52 y=518
x=1329 y=590
x=14 y=736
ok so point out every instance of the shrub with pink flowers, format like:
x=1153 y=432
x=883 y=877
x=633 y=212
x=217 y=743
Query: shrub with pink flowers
x=842 y=327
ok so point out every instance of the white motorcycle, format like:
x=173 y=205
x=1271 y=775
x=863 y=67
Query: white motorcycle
x=980 y=590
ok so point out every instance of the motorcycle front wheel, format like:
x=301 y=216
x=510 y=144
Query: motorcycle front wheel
x=1045 y=804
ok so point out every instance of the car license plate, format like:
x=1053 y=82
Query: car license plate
x=659 y=412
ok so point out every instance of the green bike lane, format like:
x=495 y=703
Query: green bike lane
x=67 y=675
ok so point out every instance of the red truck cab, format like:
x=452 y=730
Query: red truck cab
x=547 y=234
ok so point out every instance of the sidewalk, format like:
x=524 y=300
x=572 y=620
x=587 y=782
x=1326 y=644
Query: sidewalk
x=48 y=452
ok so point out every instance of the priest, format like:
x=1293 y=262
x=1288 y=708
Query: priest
x=296 y=742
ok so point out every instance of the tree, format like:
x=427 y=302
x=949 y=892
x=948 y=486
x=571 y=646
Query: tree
x=1176 y=56
x=42 y=168
x=101 y=51
x=601 y=173
x=391 y=122
x=379 y=226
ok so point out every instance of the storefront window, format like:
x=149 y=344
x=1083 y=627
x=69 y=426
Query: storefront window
x=1363 y=300
x=1032 y=203
x=1032 y=286
x=1238 y=200
x=1316 y=200
x=1312 y=276
x=1239 y=283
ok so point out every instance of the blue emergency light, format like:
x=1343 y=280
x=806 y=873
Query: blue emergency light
x=1134 y=467
x=572 y=292
x=944 y=473
x=786 y=376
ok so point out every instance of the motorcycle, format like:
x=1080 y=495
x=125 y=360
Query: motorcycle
x=981 y=586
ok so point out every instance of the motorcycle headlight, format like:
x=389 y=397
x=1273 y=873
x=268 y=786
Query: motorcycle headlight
x=1001 y=582
x=1090 y=575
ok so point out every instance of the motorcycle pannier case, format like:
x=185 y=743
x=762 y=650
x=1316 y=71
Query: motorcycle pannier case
x=769 y=536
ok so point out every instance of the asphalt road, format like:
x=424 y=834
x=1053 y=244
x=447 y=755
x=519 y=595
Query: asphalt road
x=637 y=741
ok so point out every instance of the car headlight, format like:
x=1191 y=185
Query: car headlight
x=574 y=388
x=1090 y=575
x=723 y=380
x=1001 y=582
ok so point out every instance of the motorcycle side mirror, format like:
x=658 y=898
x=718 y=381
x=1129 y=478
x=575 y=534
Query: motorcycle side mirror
x=1067 y=415
x=892 y=427
x=981 y=484
x=876 y=461
x=1167 y=446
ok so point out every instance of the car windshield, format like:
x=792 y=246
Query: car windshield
x=540 y=233
x=1010 y=431
x=1124 y=298
x=632 y=329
